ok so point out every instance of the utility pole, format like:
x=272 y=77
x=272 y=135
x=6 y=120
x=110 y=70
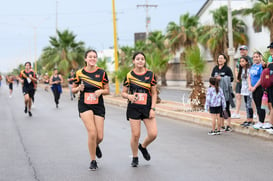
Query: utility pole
x=148 y=18
x=115 y=45
x=56 y=17
x=230 y=39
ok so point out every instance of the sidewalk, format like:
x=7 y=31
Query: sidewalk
x=183 y=112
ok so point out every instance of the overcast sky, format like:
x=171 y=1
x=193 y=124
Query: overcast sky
x=90 y=20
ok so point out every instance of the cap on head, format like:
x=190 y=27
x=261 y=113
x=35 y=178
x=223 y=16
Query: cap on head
x=271 y=45
x=243 y=47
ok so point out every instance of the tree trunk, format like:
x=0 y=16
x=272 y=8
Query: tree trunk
x=188 y=78
x=163 y=79
x=198 y=94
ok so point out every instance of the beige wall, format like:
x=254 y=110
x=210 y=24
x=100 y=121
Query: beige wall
x=176 y=71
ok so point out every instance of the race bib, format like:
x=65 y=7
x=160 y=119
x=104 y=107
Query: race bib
x=141 y=98
x=90 y=98
x=29 y=80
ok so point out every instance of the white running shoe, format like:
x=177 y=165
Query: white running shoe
x=270 y=131
x=258 y=125
x=267 y=125
x=235 y=116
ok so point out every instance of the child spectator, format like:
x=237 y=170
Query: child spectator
x=215 y=103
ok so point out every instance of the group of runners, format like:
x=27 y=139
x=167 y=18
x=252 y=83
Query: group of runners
x=92 y=82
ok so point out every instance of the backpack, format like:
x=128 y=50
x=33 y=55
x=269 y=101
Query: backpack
x=267 y=78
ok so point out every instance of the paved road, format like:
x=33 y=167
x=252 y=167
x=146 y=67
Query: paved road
x=51 y=146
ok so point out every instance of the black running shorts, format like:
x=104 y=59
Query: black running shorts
x=98 y=110
x=137 y=113
x=29 y=91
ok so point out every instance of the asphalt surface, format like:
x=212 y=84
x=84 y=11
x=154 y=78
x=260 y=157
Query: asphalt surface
x=52 y=146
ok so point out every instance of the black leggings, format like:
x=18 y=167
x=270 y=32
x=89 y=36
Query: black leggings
x=57 y=95
x=227 y=110
x=257 y=97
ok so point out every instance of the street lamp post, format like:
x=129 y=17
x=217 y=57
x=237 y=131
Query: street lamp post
x=231 y=50
x=115 y=45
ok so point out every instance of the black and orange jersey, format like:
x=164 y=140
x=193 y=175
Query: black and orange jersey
x=28 y=83
x=140 y=83
x=92 y=81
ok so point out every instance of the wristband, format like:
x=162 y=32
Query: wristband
x=153 y=108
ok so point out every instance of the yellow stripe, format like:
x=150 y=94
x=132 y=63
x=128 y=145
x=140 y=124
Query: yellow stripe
x=89 y=81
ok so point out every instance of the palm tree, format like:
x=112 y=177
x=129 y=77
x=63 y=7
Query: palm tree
x=262 y=13
x=159 y=55
x=183 y=35
x=215 y=37
x=64 y=52
x=196 y=64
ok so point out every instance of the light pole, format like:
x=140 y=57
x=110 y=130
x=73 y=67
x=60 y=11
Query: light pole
x=115 y=45
x=231 y=50
x=35 y=40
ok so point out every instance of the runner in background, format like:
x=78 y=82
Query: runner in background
x=27 y=77
x=70 y=80
x=56 y=81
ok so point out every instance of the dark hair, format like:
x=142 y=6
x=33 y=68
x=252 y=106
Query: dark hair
x=241 y=68
x=91 y=50
x=225 y=57
x=27 y=63
x=215 y=82
x=136 y=53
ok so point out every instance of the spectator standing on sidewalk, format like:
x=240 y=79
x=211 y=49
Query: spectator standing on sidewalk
x=215 y=103
x=139 y=88
x=243 y=53
x=56 y=81
x=256 y=88
x=92 y=82
x=243 y=77
x=268 y=126
x=224 y=74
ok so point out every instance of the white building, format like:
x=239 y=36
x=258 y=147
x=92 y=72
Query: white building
x=257 y=40
x=108 y=54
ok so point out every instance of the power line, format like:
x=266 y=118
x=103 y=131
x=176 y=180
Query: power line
x=148 y=18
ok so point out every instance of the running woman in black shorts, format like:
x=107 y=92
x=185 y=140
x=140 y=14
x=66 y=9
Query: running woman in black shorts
x=92 y=82
x=27 y=78
x=139 y=88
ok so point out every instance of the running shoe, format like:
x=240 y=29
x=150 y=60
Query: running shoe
x=217 y=132
x=228 y=129
x=223 y=128
x=25 y=110
x=258 y=125
x=98 y=152
x=211 y=133
x=134 y=162
x=244 y=123
x=29 y=113
x=144 y=152
x=93 y=165
x=267 y=126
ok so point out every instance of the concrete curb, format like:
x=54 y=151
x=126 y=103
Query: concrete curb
x=191 y=118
